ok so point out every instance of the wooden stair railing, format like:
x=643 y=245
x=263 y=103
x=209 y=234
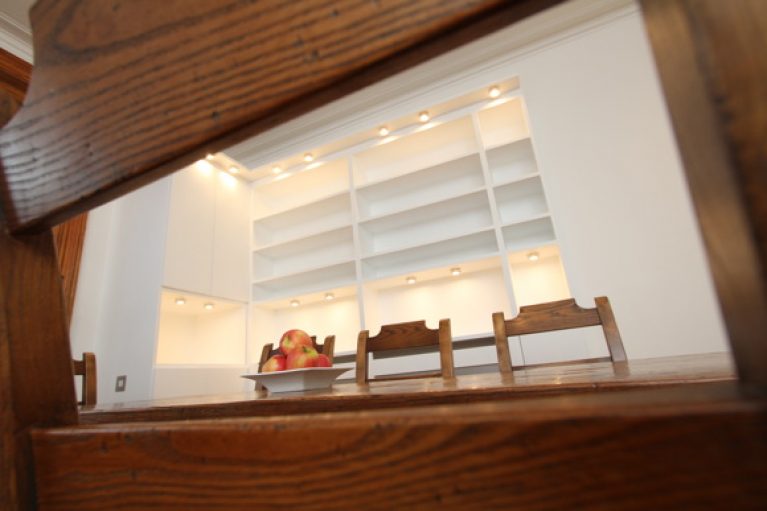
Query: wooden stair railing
x=111 y=110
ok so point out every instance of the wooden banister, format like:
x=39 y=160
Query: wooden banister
x=111 y=110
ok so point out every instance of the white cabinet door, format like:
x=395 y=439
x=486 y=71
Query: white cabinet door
x=230 y=239
x=189 y=249
x=208 y=244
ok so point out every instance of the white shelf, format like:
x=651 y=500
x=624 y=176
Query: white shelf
x=529 y=234
x=398 y=156
x=423 y=186
x=289 y=191
x=449 y=251
x=303 y=221
x=298 y=255
x=419 y=202
x=504 y=123
x=317 y=279
x=511 y=162
x=463 y=214
x=520 y=200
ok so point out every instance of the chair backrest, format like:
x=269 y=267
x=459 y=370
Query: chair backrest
x=86 y=368
x=413 y=334
x=559 y=315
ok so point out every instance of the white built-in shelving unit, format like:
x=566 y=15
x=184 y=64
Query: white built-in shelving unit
x=334 y=240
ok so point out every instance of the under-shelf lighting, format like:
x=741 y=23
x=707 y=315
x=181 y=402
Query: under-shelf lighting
x=383 y=131
x=208 y=306
x=209 y=157
x=276 y=169
x=308 y=157
x=410 y=280
x=424 y=116
x=295 y=303
x=233 y=170
x=455 y=272
x=329 y=296
x=494 y=91
x=180 y=300
x=204 y=166
x=533 y=256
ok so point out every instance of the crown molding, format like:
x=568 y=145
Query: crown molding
x=467 y=68
x=15 y=38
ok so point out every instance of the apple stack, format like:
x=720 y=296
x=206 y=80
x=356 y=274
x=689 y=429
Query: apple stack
x=296 y=352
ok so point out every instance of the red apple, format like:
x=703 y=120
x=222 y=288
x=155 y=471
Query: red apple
x=293 y=339
x=304 y=356
x=276 y=363
x=323 y=361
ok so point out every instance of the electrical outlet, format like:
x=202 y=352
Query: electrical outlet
x=120 y=383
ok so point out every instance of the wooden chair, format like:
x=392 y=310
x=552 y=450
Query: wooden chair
x=86 y=368
x=398 y=336
x=327 y=349
x=559 y=315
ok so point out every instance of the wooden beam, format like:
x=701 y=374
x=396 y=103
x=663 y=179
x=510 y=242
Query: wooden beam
x=691 y=448
x=127 y=93
x=36 y=382
x=710 y=55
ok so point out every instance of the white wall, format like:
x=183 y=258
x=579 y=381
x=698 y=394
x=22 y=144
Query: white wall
x=117 y=304
x=616 y=190
x=208 y=338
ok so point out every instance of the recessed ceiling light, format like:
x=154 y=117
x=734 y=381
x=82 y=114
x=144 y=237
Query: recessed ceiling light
x=276 y=169
x=455 y=272
x=180 y=300
x=295 y=303
x=233 y=170
x=410 y=280
x=424 y=116
x=533 y=256
x=329 y=296
x=308 y=157
x=208 y=306
x=383 y=131
x=494 y=91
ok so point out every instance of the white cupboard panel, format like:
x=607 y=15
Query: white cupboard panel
x=189 y=245
x=230 y=239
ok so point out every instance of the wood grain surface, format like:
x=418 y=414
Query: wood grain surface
x=526 y=383
x=684 y=448
x=126 y=92
x=36 y=367
x=401 y=336
x=711 y=60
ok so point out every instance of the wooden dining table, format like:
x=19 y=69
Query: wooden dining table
x=474 y=388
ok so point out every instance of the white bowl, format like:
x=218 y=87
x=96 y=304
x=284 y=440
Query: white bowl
x=293 y=380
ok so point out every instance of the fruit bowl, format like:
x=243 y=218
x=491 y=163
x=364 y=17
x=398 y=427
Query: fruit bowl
x=292 y=380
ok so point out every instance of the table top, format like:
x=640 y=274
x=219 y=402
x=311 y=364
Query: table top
x=526 y=382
